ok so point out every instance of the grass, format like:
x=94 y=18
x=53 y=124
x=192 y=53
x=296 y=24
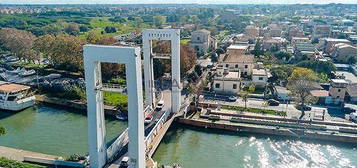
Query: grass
x=254 y=110
x=115 y=99
x=15 y=164
x=185 y=41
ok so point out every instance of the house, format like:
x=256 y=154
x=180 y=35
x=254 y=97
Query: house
x=321 y=31
x=268 y=43
x=295 y=40
x=242 y=63
x=351 y=93
x=337 y=91
x=321 y=95
x=260 y=77
x=273 y=30
x=307 y=49
x=295 y=31
x=202 y=41
x=342 y=51
x=282 y=93
x=329 y=43
x=252 y=31
x=226 y=82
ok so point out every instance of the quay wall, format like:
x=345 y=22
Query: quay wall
x=266 y=130
x=80 y=106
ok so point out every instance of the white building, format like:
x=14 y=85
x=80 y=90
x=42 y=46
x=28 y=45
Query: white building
x=260 y=77
x=226 y=82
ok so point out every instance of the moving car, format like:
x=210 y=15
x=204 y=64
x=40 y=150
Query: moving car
x=305 y=108
x=160 y=105
x=148 y=119
x=124 y=162
x=273 y=102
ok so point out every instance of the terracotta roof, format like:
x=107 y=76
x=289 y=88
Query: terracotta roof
x=239 y=58
x=319 y=93
x=13 y=87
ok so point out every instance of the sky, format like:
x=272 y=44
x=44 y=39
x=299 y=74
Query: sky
x=175 y=1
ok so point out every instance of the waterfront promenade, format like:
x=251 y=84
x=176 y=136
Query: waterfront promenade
x=19 y=154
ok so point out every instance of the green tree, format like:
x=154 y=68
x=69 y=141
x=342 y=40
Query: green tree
x=352 y=59
x=318 y=66
x=257 y=51
x=2 y=131
x=283 y=55
x=198 y=70
x=301 y=82
x=246 y=93
x=159 y=20
x=72 y=29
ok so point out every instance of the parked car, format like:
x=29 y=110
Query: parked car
x=348 y=110
x=353 y=116
x=124 y=162
x=160 y=105
x=232 y=98
x=273 y=102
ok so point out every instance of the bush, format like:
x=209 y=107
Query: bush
x=15 y=164
x=116 y=99
x=75 y=158
x=254 y=110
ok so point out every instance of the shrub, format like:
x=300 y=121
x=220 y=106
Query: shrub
x=254 y=110
x=15 y=164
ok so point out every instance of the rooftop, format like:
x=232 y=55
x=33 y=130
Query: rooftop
x=238 y=58
x=11 y=87
x=319 y=93
x=339 y=81
x=336 y=40
x=260 y=72
x=238 y=47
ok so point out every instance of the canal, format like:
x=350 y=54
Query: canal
x=192 y=147
x=61 y=132
x=51 y=130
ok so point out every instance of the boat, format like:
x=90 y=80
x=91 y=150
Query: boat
x=121 y=117
x=15 y=97
x=16 y=71
x=27 y=73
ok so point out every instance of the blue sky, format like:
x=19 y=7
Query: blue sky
x=174 y=1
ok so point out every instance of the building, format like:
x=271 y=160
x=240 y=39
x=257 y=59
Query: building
x=341 y=52
x=307 y=49
x=273 y=30
x=268 y=43
x=329 y=43
x=282 y=94
x=295 y=40
x=351 y=93
x=321 y=31
x=252 y=31
x=242 y=63
x=337 y=91
x=238 y=49
x=226 y=82
x=202 y=41
x=260 y=77
x=295 y=32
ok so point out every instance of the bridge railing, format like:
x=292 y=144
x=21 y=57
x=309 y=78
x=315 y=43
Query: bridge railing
x=158 y=125
x=117 y=145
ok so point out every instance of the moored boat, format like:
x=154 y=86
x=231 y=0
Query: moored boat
x=15 y=97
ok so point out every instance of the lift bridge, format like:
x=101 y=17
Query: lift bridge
x=140 y=147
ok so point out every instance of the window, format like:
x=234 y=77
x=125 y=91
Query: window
x=260 y=78
x=339 y=90
x=227 y=65
x=245 y=73
x=338 y=97
x=234 y=86
x=246 y=66
x=217 y=85
x=198 y=38
x=236 y=66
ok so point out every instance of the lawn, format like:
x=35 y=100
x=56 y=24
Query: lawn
x=116 y=99
x=254 y=110
x=15 y=164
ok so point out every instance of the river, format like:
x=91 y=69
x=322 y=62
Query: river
x=195 y=148
x=61 y=132
x=51 y=130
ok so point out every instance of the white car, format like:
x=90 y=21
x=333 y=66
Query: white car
x=124 y=162
x=160 y=105
x=353 y=116
x=148 y=119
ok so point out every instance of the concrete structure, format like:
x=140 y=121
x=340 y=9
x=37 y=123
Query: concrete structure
x=295 y=40
x=342 y=51
x=321 y=31
x=130 y=56
x=172 y=35
x=202 y=41
x=242 y=63
x=226 y=82
x=328 y=44
x=295 y=32
x=337 y=91
x=252 y=31
x=260 y=77
x=268 y=43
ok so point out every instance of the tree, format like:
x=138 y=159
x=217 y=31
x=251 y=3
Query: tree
x=117 y=19
x=198 y=70
x=159 y=20
x=246 y=93
x=2 y=131
x=281 y=72
x=352 y=59
x=301 y=82
x=257 y=51
x=110 y=29
x=283 y=55
x=63 y=51
x=20 y=42
x=318 y=66
x=214 y=57
x=72 y=29
x=138 y=21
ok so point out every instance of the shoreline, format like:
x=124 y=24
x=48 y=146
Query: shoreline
x=268 y=130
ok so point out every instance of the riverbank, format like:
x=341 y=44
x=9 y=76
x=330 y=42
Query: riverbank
x=270 y=129
x=80 y=106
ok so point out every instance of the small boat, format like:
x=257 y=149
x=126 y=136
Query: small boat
x=121 y=117
x=28 y=73
x=16 y=71
x=53 y=76
x=15 y=97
